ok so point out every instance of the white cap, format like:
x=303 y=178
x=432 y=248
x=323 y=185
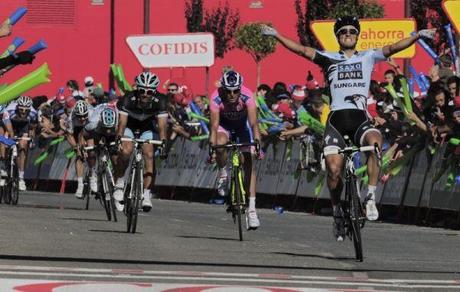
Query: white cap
x=89 y=81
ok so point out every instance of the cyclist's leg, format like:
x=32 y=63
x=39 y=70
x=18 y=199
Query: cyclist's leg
x=244 y=136
x=148 y=171
x=23 y=147
x=334 y=166
x=2 y=155
x=221 y=159
x=91 y=163
x=79 y=165
x=371 y=136
x=121 y=165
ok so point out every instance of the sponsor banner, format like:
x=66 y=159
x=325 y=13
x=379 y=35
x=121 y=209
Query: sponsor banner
x=375 y=33
x=267 y=178
x=416 y=180
x=452 y=10
x=173 y=50
x=168 y=171
x=187 y=166
x=287 y=182
x=394 y=188
x=442 y=197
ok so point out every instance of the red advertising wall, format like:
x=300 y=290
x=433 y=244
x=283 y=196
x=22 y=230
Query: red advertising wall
x=78 y=36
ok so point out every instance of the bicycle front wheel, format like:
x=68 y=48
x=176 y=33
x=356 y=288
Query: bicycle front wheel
x=111 y=199
x=237 y=194
x=15 y=186
x=355 y=218
x=104 y=196
x=134 y=201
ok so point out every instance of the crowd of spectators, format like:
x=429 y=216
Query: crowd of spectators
x=433 y=120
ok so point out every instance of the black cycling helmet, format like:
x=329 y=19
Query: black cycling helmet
x=346 y=20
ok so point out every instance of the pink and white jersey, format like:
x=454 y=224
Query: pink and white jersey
x=235 y=115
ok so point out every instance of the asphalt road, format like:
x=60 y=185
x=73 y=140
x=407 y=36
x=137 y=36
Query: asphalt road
x=49 y=240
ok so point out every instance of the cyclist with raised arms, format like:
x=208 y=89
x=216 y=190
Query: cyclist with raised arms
x=234 y=118
x=73 y=126
x=143 y=110
x=348 y=74
x=20 y=120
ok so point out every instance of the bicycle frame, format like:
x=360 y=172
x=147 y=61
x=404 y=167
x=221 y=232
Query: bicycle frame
x=237 y=177
x=237 y=189
x=353 y=213
x=136 y=189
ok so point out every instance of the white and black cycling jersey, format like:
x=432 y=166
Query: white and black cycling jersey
x=348 y=78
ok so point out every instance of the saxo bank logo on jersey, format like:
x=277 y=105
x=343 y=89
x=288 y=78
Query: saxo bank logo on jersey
x=350 y=71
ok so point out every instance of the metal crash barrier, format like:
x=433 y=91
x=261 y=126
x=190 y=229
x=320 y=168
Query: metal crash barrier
x=277 y=174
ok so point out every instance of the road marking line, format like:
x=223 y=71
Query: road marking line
x=216 y=279
x=357 y=276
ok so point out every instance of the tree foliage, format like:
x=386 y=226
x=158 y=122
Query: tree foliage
x=194 y=15
x=250 y=39
x=429 y=14
x=329 y=9
x=221 y=21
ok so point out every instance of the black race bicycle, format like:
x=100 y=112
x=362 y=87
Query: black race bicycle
x=10 y=192
x=135 y=187
x=353 y=212
x=237 y=198
x=105 y=179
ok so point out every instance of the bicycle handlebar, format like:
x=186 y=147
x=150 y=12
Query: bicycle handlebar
x=142 y=141
x=233 y=145
x=351 y=149
x=86 y=148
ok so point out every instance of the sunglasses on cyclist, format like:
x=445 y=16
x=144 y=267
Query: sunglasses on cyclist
x=23 y=109
x=144 y=91
x=235 y=91
x=352 y=31
x=172 y=89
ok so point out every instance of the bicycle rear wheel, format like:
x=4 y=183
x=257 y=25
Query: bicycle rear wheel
x=355 y=219
x=2 y=193
x=6 y=191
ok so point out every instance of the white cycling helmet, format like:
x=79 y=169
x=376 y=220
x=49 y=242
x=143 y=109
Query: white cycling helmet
x=147 y=80
x=231 y=80
x=108 y=118
x=24 y=101
x=81 y=108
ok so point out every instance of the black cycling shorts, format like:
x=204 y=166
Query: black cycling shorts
x=353 y=123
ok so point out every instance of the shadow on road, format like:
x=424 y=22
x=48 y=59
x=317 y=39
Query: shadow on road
x=210 y=264
x=315 y=256
x=207 y=237
x=60 y=207
x=112 y=231
x=84 y=219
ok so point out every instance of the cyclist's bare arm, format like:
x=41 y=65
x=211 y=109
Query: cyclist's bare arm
x=295 y=47
x=252 y=119
x=122 y=124
x=215 y=117
x=9 y=129
x=162 y=126
x=404 y=43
